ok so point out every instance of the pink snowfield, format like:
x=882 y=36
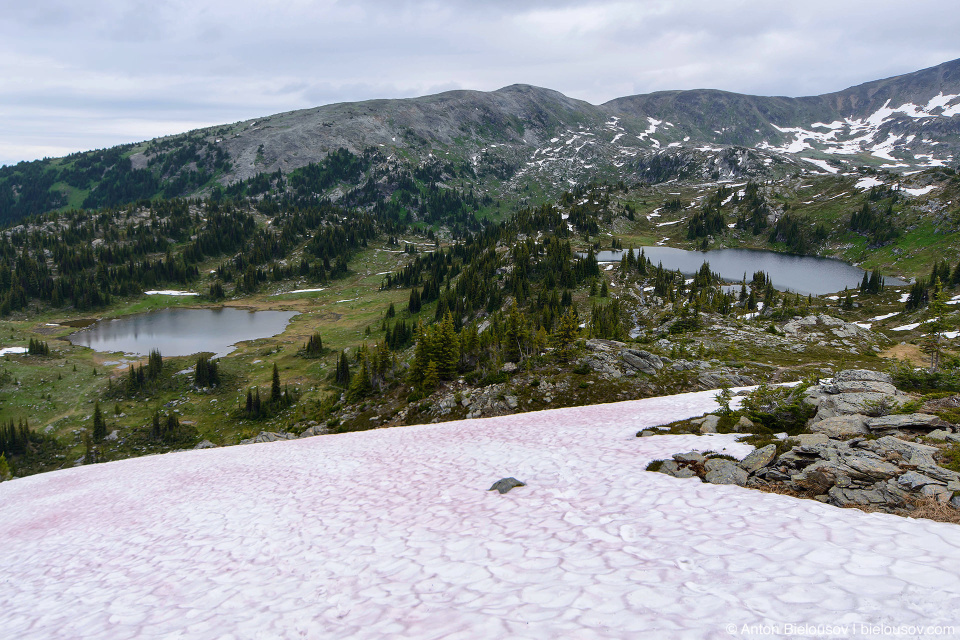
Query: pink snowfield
x=393 y=534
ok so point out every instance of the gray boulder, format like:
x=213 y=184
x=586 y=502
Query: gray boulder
x=269 y=436
x=911 y=452
x=864 y=467
x=642 y=361
x=912 y=481
x=860 y=386
x=690 y=456
x=841 y=426
x=744 y=425
x=315 y=430
x=206 y=444
x=759 y=458
x=724 y=472
x=709 y=424
x=859 y=375
x=848 y=497
x=604 y=346
x=849 y=403
x=812 y=439
x=938 y=492
x=906 y=421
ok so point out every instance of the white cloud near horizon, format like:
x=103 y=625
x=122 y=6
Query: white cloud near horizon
x=78 y=76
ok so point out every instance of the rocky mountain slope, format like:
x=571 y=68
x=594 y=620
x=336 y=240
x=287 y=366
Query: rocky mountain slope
x=504 y=142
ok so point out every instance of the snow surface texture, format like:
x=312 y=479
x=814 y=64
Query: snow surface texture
x=393 y=534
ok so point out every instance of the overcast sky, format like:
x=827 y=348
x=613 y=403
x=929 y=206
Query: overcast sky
x=83 y=75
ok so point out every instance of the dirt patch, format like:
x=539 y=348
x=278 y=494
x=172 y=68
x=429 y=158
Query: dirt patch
x=80 y=323
x=909 y=352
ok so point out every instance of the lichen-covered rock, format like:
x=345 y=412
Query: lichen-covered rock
x=841 y=426
x=759 y=458
x=912 y=481
x=906 y=421
x=709 y=424
x=721 y=471
x=860 y=386
x=642 y=361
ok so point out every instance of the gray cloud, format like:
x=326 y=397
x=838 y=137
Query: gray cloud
x=93 y=74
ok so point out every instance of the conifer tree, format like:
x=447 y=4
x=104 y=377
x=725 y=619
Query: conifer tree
x=5 y=473
x=448 y=351
x=275 y=390
x=99 y=424
x=937 y=325
x=314 y=346
x=154 y=364
x=342 y=376
x=568 y=328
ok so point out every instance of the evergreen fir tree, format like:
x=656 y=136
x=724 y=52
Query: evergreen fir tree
x=568 y=329
x=342 y=376
x=275 y=390
x=99 y=424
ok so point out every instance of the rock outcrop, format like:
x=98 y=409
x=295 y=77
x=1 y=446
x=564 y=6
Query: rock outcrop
x=614 y=359
x=842 y=461
x=269 y=436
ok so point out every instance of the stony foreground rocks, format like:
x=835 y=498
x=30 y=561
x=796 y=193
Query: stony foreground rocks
x=842 y=461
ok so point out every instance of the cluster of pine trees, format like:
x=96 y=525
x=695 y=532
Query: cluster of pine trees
x=139 y=377
x=206 y=373
x=38 y=348
x=920 y=291
x=280 y=398
x=16 y=437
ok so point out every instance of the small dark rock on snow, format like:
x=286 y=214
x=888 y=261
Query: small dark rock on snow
x=505 y=484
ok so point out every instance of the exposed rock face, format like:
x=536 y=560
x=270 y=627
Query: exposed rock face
x=815 y=326
x=884 y=473
x=724 y=472
x=836 y=464
x=923 y=421
x=861 y=375
x=614 y=359
x=759 y=458
x=268 y=436
x=315 y=430
x=841 y=426
x=709 y=424
x=854 y=391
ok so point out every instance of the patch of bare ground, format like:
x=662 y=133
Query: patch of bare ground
x=909 y=352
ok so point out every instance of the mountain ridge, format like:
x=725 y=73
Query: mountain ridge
x=522 y=135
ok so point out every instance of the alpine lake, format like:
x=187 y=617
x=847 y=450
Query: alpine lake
x=797 y=274
x=182 y=332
